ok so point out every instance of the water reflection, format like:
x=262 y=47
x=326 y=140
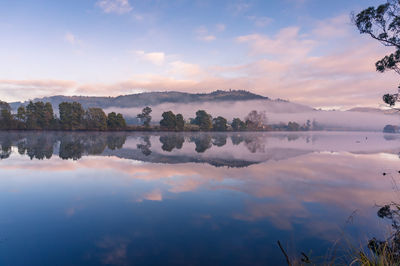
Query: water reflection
x=167 y=198
x=211 y=148
x=145 y=145
x=172 y=141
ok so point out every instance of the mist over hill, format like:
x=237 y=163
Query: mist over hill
x=149 y=99
x=230 y=104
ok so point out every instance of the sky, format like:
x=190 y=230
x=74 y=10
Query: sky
x=306 y=51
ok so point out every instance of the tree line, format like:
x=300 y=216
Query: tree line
x=203 y=121
x=72 y=116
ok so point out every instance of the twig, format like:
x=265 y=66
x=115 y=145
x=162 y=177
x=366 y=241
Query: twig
x=284 y=253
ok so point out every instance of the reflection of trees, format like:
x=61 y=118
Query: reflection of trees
x=219 y=140
x=94 y=144
x=292 y=137
x=254 y=143
x=169 y=142
x=71 y=145
x=5 y=150
x=237 y=139
x=74 y=146
x=116 y=142
x=202 y=142
x=390 y=137
x=71 y=148
x=40 y=147
x=145 y=146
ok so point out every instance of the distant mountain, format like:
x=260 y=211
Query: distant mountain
x=150 y=99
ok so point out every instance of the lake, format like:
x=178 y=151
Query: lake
x=191 y=198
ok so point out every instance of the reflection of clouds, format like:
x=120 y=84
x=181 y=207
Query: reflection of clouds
x=279 y=213
x=281 y=191
x=114 y=250
x=71 y=211
x=154 y=195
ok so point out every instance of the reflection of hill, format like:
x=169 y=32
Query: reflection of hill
x=74 y=145
x=217 y=149
x=218 y=161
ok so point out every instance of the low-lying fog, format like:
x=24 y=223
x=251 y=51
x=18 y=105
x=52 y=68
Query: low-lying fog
x=277 y=111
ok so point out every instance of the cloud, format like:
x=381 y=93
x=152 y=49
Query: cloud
x=156 y=58
x=69 y=37
x=335 y=27
x=330 y=64
x=115 y=6
x=204 y=35
x=260 y=21
x=186 y=70
x=208 y=38
x=287 y=42
x=239 y=7
x=220 y=27
x=29 y=89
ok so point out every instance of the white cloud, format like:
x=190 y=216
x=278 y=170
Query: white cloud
x=239 y=7
x=70 y=38
x=114 y=6
x=186 y=70
x=208 y=38
x=220 y=27
x=156 y=58
x=288 y=42
x=203 y=34
x=260 y=21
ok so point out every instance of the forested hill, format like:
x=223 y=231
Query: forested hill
x=150 y=98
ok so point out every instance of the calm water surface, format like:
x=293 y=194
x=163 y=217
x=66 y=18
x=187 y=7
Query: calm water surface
x=190 y=199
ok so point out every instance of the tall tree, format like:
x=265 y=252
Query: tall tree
x=256 y=120
x=382 y=23
x=71 y=115
x=6 y=118
x=203 y=120
x=238 y=125
x=168 y=120
x=220 y=124
x=145 y=116
x=4 y=106
x=180 y=122
x=95 y=119
x=115 y=121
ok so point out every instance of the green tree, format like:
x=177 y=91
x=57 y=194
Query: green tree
x=145 y=116
x=21 y=114
x=238 y=125
x=116 y=121
x=71 y=115
x=382 y=23
x=31 y=119
x=203 y=120
x=40 y=115
x=5 y=106
x=293 y=126
x=180 y=122
x=6 y=119
x=220 y=124
x=168 y=120
x=95 y=119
